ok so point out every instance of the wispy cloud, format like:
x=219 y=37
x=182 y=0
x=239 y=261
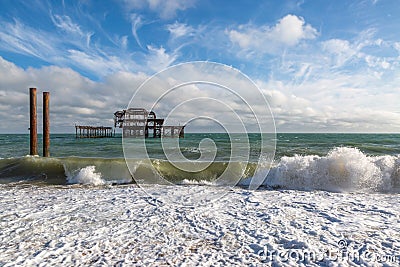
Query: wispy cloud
x=165 y=9
x=136 y=22
x=158 y=59
x=65 y=23
x=336 y=77
x=180 y=30
x=20 y=38
x=124 y=42
x=340 y=50
x=95 y=62
x=72 y=45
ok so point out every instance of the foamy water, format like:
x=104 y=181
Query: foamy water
x=343 y=169
x=320 y=204
x=121 y=225
x=86 y=175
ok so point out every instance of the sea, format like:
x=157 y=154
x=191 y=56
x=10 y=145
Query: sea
x=330 y=161
x=323 y=200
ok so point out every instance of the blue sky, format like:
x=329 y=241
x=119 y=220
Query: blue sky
x=324 y=66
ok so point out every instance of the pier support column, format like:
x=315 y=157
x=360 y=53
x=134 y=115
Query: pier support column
x=33 y=122
x=46 y=124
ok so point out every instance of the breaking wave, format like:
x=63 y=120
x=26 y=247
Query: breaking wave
x=343 y=169
x=86 y=175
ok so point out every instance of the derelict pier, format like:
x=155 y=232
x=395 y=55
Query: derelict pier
x=138 y=122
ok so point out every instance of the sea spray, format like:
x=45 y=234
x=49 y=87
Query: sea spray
x=86 y=175
x=201 y=182
x=390 y=172
x=342 y=169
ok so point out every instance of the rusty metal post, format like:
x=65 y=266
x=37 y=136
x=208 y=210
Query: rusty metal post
x=46 y=124
x=33 y=122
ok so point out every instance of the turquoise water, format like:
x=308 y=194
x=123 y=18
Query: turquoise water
x=287 y=144
x=333 y=162
x=320 y=144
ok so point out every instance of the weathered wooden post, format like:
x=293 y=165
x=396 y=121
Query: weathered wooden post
x=33 y=121
x=46 y=124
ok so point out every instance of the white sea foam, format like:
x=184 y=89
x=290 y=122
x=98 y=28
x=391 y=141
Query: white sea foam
x=118 y=226
x=342 y=169
x=195 y=182
x=86 y=175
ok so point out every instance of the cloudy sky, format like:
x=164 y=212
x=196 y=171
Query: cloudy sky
x=323 y=66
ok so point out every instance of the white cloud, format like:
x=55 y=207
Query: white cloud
x=96 y=63
x=165 y=9
x=365 y=51
x=158 y=59
x=341 y=51
x=341 y=85
x=74 y=98
x=376 y=62
x=288 y=32
x=180 y=30
x=335 y=102
x=396 y=45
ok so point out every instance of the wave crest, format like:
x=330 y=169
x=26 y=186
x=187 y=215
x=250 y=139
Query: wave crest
x=342 y=169
x=86 y=175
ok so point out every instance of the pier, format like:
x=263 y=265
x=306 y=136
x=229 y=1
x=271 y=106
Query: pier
x=135 y=122
x=84 y=131
x=138 y=122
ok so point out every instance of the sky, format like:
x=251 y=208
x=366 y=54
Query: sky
x=323 y=66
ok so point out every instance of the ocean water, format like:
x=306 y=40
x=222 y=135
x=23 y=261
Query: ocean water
x=328 y=200
x=332 y=162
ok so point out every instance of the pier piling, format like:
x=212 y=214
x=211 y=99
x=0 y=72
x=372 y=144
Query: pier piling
x=93 y=131
x=33 y=122
x=46 y=124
